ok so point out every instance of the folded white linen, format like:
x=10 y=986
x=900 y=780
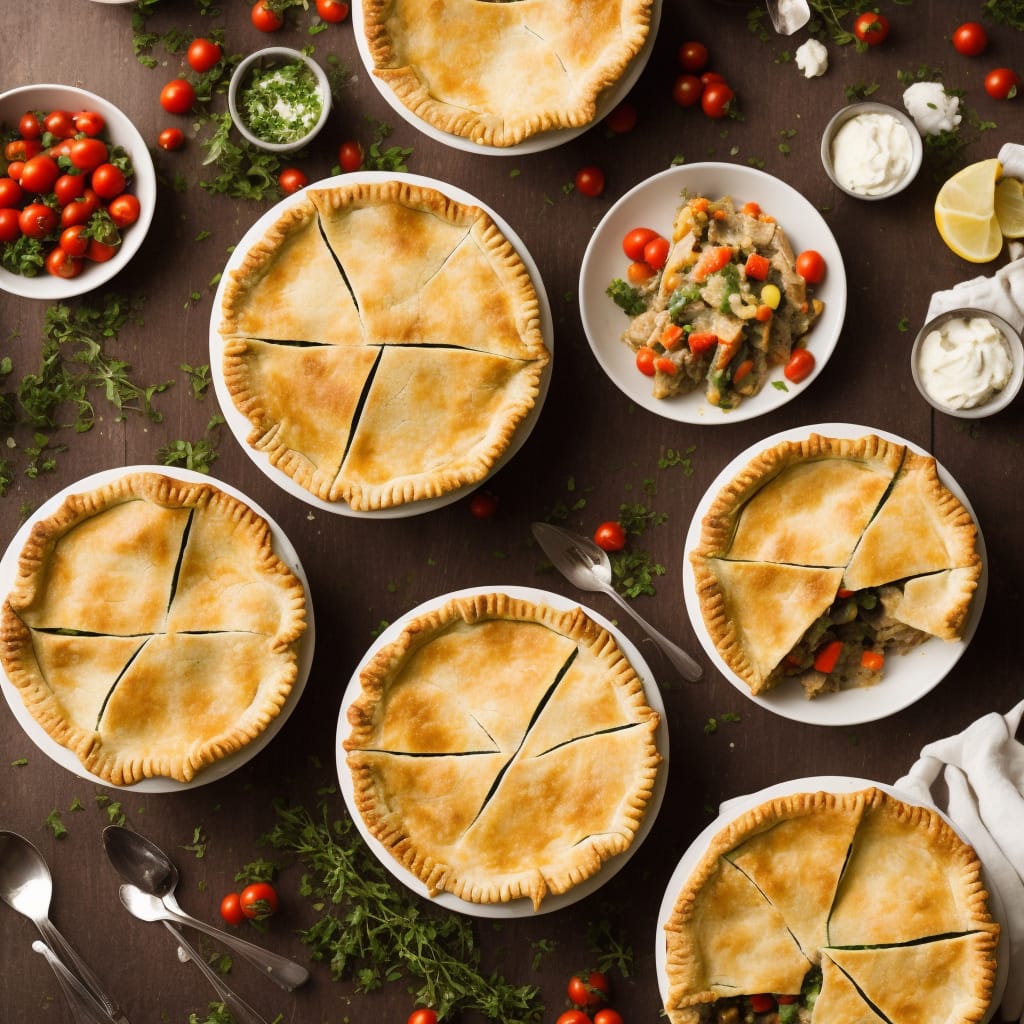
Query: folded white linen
x=983 y=768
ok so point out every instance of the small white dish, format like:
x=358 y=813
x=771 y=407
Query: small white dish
x=271 y=57
x=998 y=401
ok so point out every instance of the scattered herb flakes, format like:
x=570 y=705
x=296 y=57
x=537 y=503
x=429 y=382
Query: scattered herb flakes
x=672 y=457
x=244 y=171
x=115 y=812
x=633 y=573
x=19 y=762
x=779 y=385
x=1005 y=12
x=860 y=91
x=216 y=1013
x=636 y=518
x=76 y=805
x=711 y=726
x=199 y=377
x=391 y=159
x=198 y=844
x=903 y=324
x=259 y=870
x=55 y=825
x=610 y=947
x=540 y=949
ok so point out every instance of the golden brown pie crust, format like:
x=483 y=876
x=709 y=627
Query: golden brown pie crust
x=151 y=629
x=502 y=749
x=872 y=890
x=366 y=313
x=498 y=73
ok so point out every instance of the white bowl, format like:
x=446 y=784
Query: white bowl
x=1001 y=399
x=120 y=132
x=276 y=55
x=841 y=117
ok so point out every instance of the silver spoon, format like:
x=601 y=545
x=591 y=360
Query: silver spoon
x=85 y=1008
x=27 y=886
x=788 y=16
x=587 y=566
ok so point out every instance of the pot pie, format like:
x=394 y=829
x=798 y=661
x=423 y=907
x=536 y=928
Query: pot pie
x=151 y=629
x=852 y=908
x=502 y=749
x=499 y=72
x=820 y=556
x=384 y=343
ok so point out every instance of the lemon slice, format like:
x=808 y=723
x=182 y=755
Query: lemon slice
x=965 y=212
x=1009 y=205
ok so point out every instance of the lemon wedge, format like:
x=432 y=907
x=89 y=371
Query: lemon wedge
x=1009 y=205
x=965 y=212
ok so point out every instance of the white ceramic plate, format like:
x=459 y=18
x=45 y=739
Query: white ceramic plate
x=533 y=144
x=64 y=757
x=119 y=131
x=653 y=204
x=520 y=907
x=732 y=809
x=906 y=678
x=241 y=427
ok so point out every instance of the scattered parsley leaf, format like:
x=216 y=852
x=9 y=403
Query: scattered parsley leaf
x=629 y=299
x=55 y=825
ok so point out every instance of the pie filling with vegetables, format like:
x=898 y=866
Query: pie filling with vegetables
x=852 y=908
x=384 y=343
x=725 y=309
x=498 y=73
x=502 y=749
x=823 y=555
x=151 y=629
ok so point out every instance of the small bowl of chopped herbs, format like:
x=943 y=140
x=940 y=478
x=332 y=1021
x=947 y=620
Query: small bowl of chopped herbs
x=279 y=99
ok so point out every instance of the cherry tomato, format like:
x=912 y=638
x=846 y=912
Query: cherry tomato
x=970 y=39
x=424 y=1015
x=61 y=149
x=634 y=242
x=30 y=127
x=350 y=155
x=686 y=90
x=14 y=169
x=332 y=10
x=79 y=210
x=258 y=900
x=231 y=909
x=264 y=18
x=87 y=154
x=611 y=537
x=693 y=56
x=22 y=149
x=68 y=187
x=656 y=252
x=810 y=265
x=203 y=54
x=715 y=99
x=871 y=28
x=800 y=365
x=590 y=181
x=100 y=252
x=74 y=241
x=573 y=1017
x=622 y=119
x=124 y=209
x=89 y=122
x=708 y=77
x=638 y=272
x=606 y=1015
x=1002 y=83
x=177 y=96
x=59 y=124
x=10 y=229
x=645 y=357
x=171 y=138
x=61 y=263
x=291 y=179
x=37 y=220
x=108 y=181
x=10 y=193
x=483 y=505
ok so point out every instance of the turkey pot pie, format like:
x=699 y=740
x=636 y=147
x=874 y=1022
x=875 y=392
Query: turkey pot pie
x=383 y=342
x=151 y=629
x=823 y=555
x=502 y=749
x=826 y=908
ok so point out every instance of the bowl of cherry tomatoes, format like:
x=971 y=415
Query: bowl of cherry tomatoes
x=77 y=191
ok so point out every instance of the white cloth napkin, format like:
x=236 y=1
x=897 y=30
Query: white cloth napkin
x=983 y=768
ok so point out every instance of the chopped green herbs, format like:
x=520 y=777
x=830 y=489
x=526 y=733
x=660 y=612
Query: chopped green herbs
x=281 y=104
x=629 y=299
x=244 y=171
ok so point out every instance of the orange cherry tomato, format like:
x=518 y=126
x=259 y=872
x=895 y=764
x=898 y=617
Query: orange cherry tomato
x=800 y=365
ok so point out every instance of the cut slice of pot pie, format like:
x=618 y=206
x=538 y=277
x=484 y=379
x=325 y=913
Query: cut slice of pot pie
x=384 y=343
x=805 y=863
x=502 y=749
x=152 y=629
x=823 y=555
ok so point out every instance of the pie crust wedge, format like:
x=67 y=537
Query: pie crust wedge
x=151 y=629
x=849 y=542
x=497 y=73
x=502 y=749
x=837 y=900
x=384 y=343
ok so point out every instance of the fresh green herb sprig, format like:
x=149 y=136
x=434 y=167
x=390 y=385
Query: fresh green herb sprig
x=1005 y=12
x=244 y=171
x=834 y=21
x=629 y=299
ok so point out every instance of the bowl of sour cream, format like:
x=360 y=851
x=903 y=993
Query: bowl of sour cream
x=279 y=99
x=871 y=150
x=968 y=363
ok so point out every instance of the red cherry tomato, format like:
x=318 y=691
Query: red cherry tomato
x=30 y=127
x=258 y=900
x=810 y=265
x=573 y=1017
x=171 y=138
x=635 y=241
x=686 y=90
x=715 y=100
x=711 y=76
x=590 y=181
x=611 y=537
x=424 y=1015
x=606 y=1015
x=483 y=505
x=800 y=365
x=39 y=174
x=231 y=909
x=203 y=54
x=291 y=179
x=61 y=263
x=332 y=10
x=80 y=209
x=656 y=252
x=645 y=358
x=87 y=154
x=108 y=181
x=10 y=193
x=14 y=169
x=88 y=122
x=871 y=28
x=350 y=155
x=10 y=229
x=177 y=96
x=124 y=210
x=1002 y=83
x=74 y=241
x=970 y=39
x=59 y=124
x=100 y=252
x=22 y=149
x=37 y=220
x=68 y=187
x=622 y=119
x=264 y=18
x=693 y=56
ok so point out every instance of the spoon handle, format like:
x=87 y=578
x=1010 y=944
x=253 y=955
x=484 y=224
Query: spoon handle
x=85 y=1008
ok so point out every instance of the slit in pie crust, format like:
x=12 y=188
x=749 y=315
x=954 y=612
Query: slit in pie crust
x=502 y=749
x=151 y=629
x=384 y=343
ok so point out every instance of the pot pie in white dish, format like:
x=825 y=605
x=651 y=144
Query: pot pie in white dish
x=151 y=629
x=365 y=311
x=840 y=906
x=500 y=749
x=501 y=73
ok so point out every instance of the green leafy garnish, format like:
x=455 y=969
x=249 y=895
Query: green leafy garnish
x=245 y=172
x=629 y=299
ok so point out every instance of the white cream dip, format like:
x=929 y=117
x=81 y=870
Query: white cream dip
x=871 y=153
x=963 y=363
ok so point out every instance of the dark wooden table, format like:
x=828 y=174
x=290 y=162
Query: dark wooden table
x=591 y=449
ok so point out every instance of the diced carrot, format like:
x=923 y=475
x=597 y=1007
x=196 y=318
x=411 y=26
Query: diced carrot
x=843 y=592
x=671 y=335
x=699 y=205
x=872 y=661
x=762 y=1003
x=742 y=370
x=752 y=209
x=764 y=313
x=826 y=659
x=711 y=260
x=666 y=366
x=638 y=272
x=757 y=266
x=701 y=341
x=719 y=215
